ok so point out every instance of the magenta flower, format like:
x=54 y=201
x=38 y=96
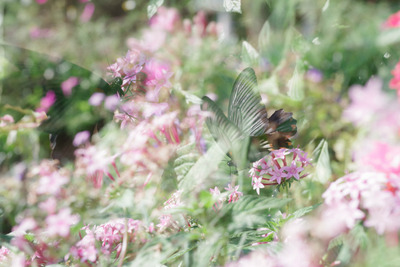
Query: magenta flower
x=293 y=170
x=87 y=12
x=68 y=84
x=279 y=167
x=277 y=174
x=85 y=250
x=60 y=224
x=395 y=81
x=158 y=74
x=234 y=193
x=81 y=138
x=47 y=101
x=393 y=21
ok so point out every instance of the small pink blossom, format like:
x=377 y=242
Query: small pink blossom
x=68 y=84
x=50 y=205
x=257 y=184
x=59 y=224
x=366 y=102
x=234 y=193
x=87 y=12
x=51 y=183
x=393 y=21
x=47 y=101
x=4 y=253
x=41 y=2
x=5 y=120
x=111 y=102
x=96 y=99
x=167 y=19
x=158 y=75
x=165 y=221
x=81 y=138
x=293 y=170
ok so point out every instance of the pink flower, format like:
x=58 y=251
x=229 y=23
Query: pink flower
x=59 y=224
x=87 y=12
x=215 y=192
x=158 y=74
x=366 y=102
x=277 y=174
x=96 y=99
x=50 y=205
x=257 y=184
x=51 y=183
x=68 y=84
x=293 y=170
x=174 y=201
x=234 y=194
x=5 y=120
x=81 y=138
x=85 y=250
x=395 y=81
x=111 y=102
x=41 y=2
x=25 y=225
x=4 y=252
x=167 y=19
x=393 y=21
x=165 y=221
x=47 y=101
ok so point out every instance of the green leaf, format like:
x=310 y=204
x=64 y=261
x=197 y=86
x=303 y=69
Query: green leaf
x=153 y=7
x=232 y=6
x=249 y=54
x=303 y=211
x=296 y=85
x=321 y=157
x=252 y=204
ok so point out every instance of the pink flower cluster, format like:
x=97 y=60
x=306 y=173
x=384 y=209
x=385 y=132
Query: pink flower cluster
x=141 y=74
x=108 y=236
x=233 y=195
x=4 y=254
x=279 y=167
x=372 y=198
x=94 y=162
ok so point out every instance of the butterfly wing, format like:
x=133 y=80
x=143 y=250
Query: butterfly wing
x=223 y=130
x=245 y=108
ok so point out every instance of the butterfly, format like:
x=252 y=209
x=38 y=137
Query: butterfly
x=247 y=117
x=28 y=76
